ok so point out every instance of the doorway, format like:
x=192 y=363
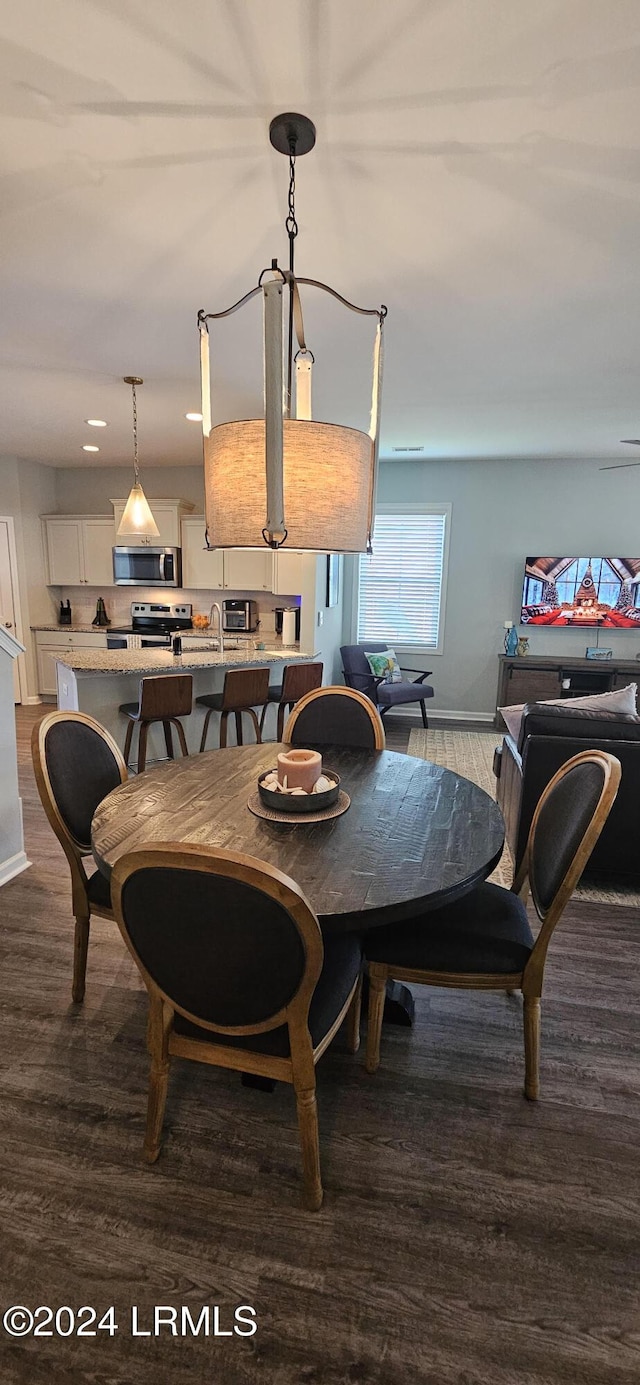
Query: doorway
x=9 y=597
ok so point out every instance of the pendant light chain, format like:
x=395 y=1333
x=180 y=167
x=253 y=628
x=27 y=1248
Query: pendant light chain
x=136 y=468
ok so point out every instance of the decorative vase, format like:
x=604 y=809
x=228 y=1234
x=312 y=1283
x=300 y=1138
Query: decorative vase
x=511 y=642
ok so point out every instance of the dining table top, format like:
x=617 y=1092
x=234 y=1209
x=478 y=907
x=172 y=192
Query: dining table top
x=415 y=836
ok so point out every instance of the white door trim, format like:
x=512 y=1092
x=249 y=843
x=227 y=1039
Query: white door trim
x=15 y=594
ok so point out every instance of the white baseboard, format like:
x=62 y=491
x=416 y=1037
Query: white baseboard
x=12 y=867
x=442 y=715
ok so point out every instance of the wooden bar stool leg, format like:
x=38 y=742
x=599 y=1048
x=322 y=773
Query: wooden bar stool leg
x=239 y=737
x=166 y=726
x=280 y=726
x=205 y=728
x=223 y=729
x=181 y=736
x=250 y=712
x=127 y=741
x=262 y=717
x=142 y=746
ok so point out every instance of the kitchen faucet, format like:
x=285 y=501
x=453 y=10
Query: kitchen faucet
x=216 y=607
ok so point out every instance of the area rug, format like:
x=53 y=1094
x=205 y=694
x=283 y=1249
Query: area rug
x=471 y=753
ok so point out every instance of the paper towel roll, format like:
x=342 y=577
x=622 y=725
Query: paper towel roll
x=289 y=626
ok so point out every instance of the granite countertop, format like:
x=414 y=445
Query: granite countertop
x=114 y=661
x=71 y=629
x=117 y=625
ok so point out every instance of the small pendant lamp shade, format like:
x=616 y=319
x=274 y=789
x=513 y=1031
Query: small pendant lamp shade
x=137 y=520
x=328 y=473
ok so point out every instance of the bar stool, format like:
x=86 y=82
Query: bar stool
x=297 y=680
x=164 y=698
x=243 y=689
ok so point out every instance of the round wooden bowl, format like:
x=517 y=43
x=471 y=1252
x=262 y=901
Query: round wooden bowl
x=299 y=803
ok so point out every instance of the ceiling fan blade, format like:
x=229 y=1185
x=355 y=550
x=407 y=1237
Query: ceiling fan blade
x=635 y=442
x=619 y=466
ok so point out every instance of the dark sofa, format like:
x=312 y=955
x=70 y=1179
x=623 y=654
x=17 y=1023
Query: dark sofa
x=550 y=735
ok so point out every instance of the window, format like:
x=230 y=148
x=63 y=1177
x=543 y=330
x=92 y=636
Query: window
x=401 y=587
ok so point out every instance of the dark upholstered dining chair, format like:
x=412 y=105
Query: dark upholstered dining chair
x=483 y=941
x=357 y=674
x=76 y=764
x=233 y=959
x=335 y=716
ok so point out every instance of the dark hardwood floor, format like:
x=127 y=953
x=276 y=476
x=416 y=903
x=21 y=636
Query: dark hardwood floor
x=467 y=1237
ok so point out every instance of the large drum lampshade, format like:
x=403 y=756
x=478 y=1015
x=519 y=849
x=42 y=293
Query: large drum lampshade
x=328 y=475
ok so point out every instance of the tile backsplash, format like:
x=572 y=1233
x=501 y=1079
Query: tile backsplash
x=118 y=600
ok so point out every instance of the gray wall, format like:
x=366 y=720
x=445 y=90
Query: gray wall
x=501 y=512
x=88 y=490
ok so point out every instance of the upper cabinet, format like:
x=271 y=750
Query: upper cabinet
x=79 y=550
x=248 y=569
x=201 y=567
x=167 y=514
x=222 y=569
x=288 y=571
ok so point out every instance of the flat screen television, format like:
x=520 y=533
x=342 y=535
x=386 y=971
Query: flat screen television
x=582 y=592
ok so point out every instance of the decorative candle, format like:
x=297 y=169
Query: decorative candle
x=301 y=768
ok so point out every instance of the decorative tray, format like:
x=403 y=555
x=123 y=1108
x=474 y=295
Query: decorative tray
x=299 y=803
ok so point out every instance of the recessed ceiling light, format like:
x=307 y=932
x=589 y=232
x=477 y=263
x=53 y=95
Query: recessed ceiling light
x=88 y=447
x=194 y=418
x=96 y=422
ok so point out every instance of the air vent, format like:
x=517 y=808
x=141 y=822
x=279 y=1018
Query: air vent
x=407 y=449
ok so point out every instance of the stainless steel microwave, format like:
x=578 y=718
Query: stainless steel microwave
x=147 y=567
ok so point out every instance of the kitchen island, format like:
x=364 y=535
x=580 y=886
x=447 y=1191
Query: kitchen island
x=97 y=681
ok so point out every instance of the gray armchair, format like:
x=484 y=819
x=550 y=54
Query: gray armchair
x=357 y=674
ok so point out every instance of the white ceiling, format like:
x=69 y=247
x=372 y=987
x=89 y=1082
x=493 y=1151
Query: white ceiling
x=477 y=169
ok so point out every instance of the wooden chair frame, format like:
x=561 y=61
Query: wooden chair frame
x=288 y=695
x=530 y=980
x=74 y=850
x=162 y=1041
x=355 y=696
x=150 y=693
x=238 y=708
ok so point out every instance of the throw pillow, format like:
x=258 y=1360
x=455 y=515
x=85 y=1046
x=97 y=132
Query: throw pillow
x=622 y=700
x=385 y=665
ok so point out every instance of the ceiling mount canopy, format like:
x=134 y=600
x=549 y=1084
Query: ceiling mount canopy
x=287 y=478
x=137 y=520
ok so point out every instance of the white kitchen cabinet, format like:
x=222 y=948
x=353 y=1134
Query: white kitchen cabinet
x=288 y=572
x=79 y=550
x=248 y=569
x=65 y=557
x=50 y=644
x=201 y=568
x=98 y=539
x=167 y=515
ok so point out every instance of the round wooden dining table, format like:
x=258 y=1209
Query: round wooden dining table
x=415 y=836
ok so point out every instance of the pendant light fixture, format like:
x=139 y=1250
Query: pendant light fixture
x=137 y=520
x=285 y=478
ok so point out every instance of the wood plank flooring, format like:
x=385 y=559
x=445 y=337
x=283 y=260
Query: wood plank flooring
x=467 y=1237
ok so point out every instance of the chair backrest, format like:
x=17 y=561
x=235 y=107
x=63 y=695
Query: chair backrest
x=230 y=942
x=245 y=687
x=299 y=679
x=355 y=667
x=76 y=763
x=166 y=695
x=335 y=716
x=567 y=822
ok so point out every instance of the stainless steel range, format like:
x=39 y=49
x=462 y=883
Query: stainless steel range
x=153 y=623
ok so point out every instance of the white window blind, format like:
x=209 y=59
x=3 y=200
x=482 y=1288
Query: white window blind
x=401 y=585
